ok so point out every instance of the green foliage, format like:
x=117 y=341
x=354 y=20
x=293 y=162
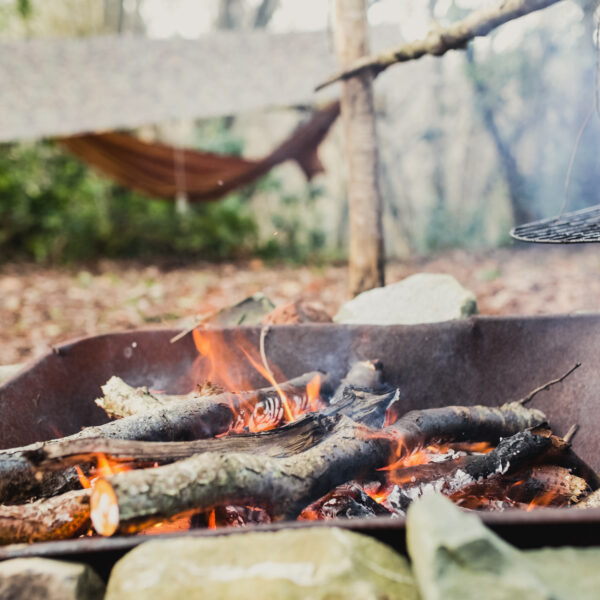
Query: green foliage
x=298 y=235
x=54 y=209
x=24 y=8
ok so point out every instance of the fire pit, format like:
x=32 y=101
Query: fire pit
x=481 y=361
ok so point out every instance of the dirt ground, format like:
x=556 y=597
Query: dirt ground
x=40 y=307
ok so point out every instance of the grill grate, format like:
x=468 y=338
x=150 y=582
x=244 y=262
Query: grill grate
x=576 y=227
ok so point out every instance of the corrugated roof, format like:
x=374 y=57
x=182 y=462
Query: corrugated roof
x=54 y=88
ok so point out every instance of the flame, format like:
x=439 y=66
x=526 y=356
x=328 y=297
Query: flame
x=212 y=520
x=544 y=499
x=86 y=484
x=220 y=360
x=104 y=468
x=313 y=393
x=289 y=415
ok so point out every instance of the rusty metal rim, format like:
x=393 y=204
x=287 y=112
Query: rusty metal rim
x=66 y=347
x=541 y=517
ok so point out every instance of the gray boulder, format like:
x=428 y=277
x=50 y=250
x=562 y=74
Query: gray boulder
x=44 y=579
x=314 y=563
x=455 y=557
x=420 y=298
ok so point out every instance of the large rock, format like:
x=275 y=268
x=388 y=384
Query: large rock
x=313 y=563
x=420 y=298
x=44 y=579
x=572 y=573
x=455 y=557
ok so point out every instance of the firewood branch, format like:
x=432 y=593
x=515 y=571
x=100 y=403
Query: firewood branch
x=286 y=485
x=441 y=39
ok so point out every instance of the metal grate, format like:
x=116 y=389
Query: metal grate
x=576 y=227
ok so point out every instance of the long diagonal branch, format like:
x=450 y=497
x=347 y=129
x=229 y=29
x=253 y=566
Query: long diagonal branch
x=441 y=39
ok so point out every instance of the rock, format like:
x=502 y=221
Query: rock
x=44 y=579
x=250 y=311
x=9 y=371
x=572 y=573
x=316 y=563
x=420 y=298
x=297 y=312
x=455 y=557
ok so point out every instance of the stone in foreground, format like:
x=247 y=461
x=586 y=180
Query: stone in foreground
x=420 y=298
x=455 y=557
x=44 y=579
x=317 y=563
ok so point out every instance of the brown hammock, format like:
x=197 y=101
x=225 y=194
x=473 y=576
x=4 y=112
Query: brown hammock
x=163 y=171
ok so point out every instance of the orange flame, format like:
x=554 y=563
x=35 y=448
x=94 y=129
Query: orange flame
x=104 y=468
x=289 y=415
x=212 y=520
x=313 y=393
x=544 y=499
x=220 y=362
x=86 y=484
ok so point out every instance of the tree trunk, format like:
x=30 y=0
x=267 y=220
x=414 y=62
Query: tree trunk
x=358 y=114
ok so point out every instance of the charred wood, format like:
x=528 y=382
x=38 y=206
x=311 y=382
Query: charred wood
x=349 y=501
x=450 y=477
x=285 y=441
x=192 y=419
x=541 y=485
x=286 y=485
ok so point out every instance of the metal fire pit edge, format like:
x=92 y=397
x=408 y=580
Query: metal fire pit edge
x=482 y=360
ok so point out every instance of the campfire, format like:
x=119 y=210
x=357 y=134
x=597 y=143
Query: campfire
x=307 y=448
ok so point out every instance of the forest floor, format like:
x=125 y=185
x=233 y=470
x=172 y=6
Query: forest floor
x=40 y=307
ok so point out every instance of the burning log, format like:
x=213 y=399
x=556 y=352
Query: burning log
x=192 y=419
x=285 y=441
x=541 y=485
x=57 y=518
x=122 y=400
x=451 y=477
x=126 y=501
x=238 y=516
x=349 y=501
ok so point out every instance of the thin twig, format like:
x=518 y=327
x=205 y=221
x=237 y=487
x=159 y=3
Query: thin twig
x=200 y=319
x=263 y=355
x=568 y=437
x=529 y=397
x=439 y=40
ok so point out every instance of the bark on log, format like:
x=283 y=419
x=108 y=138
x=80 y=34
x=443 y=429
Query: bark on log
x=57 y=518
x=186 y=420
x=122 y=400
x=285 y=441
x=128 y=501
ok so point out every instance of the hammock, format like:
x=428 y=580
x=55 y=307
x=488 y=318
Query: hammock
x=163 y=171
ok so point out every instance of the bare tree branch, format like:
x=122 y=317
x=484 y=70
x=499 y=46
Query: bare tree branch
x=439 y=40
